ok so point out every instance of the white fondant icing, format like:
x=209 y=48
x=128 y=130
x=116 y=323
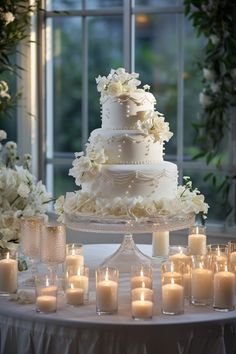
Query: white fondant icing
x=128 y=147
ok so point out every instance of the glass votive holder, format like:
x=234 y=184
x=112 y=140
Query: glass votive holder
x=218 y=255
x=172 y=298
x=142 y=303
x=179 y=255
x=107 y=290
x=232 y=255
x=53 y=243
x=201 y=281
x=224 y=289
x=46 y=294
x=79 y=281
x=8 y=272
x=187 y=274
x=197 y=240
x=141 y=276
x=74 y=257
x=31 y=230
x=171 y=270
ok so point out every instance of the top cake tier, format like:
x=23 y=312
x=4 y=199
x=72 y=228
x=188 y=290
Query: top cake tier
x=125 y=111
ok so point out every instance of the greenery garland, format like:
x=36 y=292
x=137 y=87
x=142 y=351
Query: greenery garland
x=214 y=19
x=15 y=20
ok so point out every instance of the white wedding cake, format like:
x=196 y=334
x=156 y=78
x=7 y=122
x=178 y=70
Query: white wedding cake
x=122 y=172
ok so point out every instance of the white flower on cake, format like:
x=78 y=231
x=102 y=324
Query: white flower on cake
x=117 y=83
x=86 y=167
x=154 y=123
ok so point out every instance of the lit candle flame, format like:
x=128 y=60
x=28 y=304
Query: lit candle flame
x=47 y=281
x=106 y=274
x=8 y=255
x=141 y=273
x=171 y=268
x=172 y=280
x=226 y=268
x=73 y=252
x=72 y=286
x=197 y=230
x=218 y=250
x=143 y=284
x=201 y=265
x=142 y=297
x=78 y=271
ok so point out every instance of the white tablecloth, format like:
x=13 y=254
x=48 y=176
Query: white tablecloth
x=80 y=331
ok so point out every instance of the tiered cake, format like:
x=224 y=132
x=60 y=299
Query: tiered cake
x=122 y=172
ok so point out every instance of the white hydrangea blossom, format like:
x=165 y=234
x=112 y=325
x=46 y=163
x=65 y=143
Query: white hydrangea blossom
x=154 y=123
x=204 y=99
x=20 y=195
x=117 y=83
x=8 y=17
x=3 y=135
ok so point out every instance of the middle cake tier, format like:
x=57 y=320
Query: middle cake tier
x=148 y=181
x=127 y=146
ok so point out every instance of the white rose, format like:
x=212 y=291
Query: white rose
x=204 y=99
x=115 y=89
x=3 y=135
x=214 y=39
x=23 y=190
x=11 y=145
x=209 y=74
x=8 y=17
x=215 y=87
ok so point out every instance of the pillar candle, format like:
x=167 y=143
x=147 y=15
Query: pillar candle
x=8 y=275
x=46 y=303
x=49 y=290
x=74 y=261
x=167 y=276
x=142 y=308
x=75 y=296
x=224 y=290
x=79 y=281
x=197 y=244
x=141 y=281
x=160 y=243
x=201 y=284
x=172 y=298
x=106 y=296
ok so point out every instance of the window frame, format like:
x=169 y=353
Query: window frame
x=35 y=133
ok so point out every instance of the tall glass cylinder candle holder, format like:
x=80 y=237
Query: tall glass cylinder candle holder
x=179 y=255
x=197 y=240
x=46 y=293
x=232 y=255
x=172 y=298
x=74 y=257
x=8 y=272
x=53 y=245
x=31 y=230
x=224 y=289
x=141 y=276
x=78 y=280
x=142 y=303
x=218 y=254
x=201 y=281
x=107 y=290
x=171 y=270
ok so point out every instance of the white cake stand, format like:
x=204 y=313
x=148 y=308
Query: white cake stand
x=128 y=253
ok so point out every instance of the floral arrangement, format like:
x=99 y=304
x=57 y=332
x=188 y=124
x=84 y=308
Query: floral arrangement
x=20 y=193
x=186 y=201
x=119 y=83
x=153 y=123
x=215 y=21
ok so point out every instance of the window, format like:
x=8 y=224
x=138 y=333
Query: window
x=83 y=39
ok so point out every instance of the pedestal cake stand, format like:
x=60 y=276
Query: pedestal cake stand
x=128 y=253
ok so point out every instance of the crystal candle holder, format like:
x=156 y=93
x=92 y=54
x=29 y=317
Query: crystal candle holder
x=53 y=244
x=224 y=289
x=74 y=257
x=107 y=290
x=80 y=281
x=201 y=281
x=141 y=276
x=197 y=240
x=46 y=294
x=179 y=255
x=218 y=255
x=142 y=303
x=8 y=272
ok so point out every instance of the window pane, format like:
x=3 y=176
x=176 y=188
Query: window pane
x=62 y=182
x=105 y=52
x=66 y=71
x=156 y=61
x=217 y=210
x=158 y=2
x=97 y=4
x=52 y=5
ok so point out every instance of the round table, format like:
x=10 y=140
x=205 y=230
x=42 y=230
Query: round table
x=81 y=331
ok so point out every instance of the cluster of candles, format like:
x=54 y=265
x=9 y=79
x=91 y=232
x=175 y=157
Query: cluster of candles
x=203 y=274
